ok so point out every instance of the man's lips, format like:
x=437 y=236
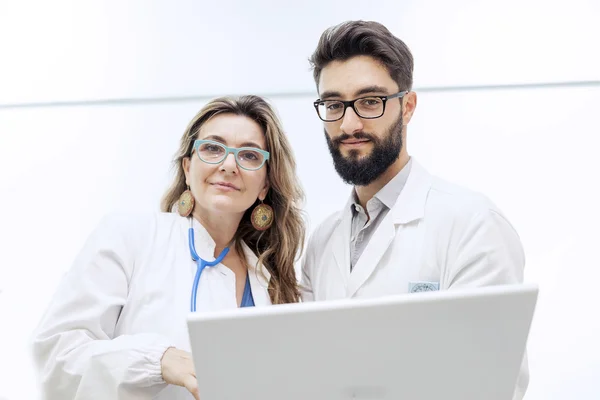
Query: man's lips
x=354 y=142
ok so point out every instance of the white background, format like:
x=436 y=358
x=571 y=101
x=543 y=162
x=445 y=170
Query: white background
x=95 y=95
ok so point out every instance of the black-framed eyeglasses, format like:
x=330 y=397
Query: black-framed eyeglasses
x=369 y=107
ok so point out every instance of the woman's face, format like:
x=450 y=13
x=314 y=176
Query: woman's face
x=226 y=187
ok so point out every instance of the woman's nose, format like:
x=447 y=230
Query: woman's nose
x=229 y=164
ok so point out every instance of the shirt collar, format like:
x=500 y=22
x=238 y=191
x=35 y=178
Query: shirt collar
x=388 y=194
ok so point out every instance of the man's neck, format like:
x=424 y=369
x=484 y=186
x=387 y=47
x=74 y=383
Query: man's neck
x=366 y=193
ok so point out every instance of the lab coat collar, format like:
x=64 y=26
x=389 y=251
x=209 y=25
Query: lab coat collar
x=410 y=205
x=389 y=193
x=205 y=245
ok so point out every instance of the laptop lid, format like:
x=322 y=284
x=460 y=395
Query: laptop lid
x=465 y=344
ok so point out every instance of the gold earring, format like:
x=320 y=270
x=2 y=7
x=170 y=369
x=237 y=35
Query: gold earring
x=185 y=204
x=262 y=217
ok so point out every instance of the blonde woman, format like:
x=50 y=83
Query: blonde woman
x=228 y=235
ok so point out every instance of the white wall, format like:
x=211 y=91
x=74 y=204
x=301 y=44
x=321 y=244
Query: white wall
x=75 y=143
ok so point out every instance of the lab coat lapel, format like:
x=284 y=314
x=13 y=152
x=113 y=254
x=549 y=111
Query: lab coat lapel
x=409 y=206
x=340 y=242
x=376 y=247
x=259 y=278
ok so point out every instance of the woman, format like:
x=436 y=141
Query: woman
x=116 y=328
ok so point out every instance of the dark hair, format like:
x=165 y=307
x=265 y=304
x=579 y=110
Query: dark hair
x=367 y=38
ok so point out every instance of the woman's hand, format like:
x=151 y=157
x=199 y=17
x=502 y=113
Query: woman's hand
x=177 y=368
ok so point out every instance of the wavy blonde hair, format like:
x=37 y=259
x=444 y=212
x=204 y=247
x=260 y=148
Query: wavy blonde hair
x=278 y=247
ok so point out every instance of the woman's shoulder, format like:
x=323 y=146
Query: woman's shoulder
x=137 y=225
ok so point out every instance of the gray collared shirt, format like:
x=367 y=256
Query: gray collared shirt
x=377 y=208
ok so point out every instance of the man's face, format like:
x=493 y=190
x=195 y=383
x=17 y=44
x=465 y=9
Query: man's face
x=362 y=149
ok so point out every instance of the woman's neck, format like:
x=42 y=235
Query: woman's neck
x=220 y=226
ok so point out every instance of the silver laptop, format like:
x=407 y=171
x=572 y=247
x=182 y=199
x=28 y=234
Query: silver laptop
x=449 y=345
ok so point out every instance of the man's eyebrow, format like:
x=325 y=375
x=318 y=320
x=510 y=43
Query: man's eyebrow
x=330 y=93
x=372 y=89
x=366 y=90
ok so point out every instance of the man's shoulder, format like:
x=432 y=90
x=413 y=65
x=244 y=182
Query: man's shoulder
x=454 y=205
x=450 y=197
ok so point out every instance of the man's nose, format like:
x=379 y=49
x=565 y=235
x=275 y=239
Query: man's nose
x=351 y=123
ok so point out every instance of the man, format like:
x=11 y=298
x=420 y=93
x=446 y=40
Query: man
x=402 y=230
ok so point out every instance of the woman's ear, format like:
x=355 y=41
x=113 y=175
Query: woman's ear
x=263 y=193
x=186 y=163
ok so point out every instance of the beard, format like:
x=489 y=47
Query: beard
x=363 y=171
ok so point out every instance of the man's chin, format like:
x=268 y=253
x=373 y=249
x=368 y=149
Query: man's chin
x=354 y=155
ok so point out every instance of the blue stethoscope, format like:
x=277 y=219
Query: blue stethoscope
x=247 y=298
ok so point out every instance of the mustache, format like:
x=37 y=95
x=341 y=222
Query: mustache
x=358 y=135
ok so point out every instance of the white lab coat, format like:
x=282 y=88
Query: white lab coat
x=124 y=302
x=436 y=233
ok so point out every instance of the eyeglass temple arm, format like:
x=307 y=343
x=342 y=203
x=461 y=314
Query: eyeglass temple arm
x=399 y=94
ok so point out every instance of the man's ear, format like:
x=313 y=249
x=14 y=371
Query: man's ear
x=410 y=104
